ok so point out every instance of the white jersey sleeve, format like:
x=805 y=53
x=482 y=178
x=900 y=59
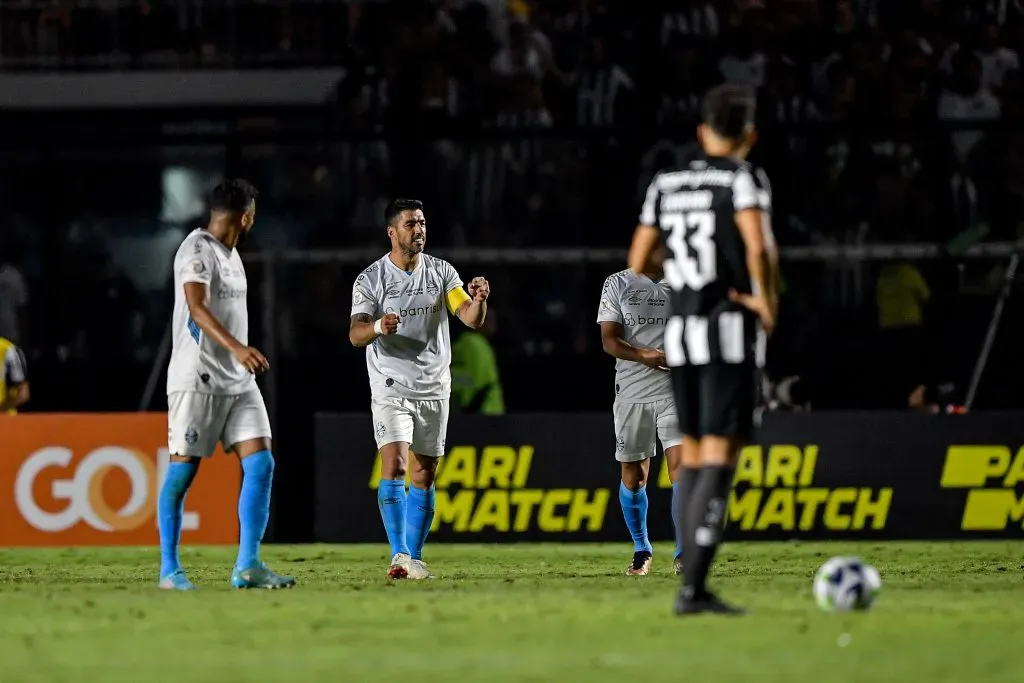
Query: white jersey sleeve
x=364 y=297
x=610 y=308
x=450 y=276
x=764 y=192
x=195 y=262
x=744 y=191
x=649 y=211
x=14 y=366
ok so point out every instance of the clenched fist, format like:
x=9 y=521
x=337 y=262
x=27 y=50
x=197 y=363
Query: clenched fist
x=479 y=289
x=389 y=323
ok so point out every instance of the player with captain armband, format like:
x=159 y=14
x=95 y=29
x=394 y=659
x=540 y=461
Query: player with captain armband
x=400 y=308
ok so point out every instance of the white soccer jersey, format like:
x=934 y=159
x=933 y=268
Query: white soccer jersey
x=13 y=367
x=414 y=362
x=640 y=305
x=197 y=363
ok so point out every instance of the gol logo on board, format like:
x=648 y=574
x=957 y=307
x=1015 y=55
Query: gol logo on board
x=84 y=491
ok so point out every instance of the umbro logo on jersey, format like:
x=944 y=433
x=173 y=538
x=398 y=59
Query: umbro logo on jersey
x=392 y=292
x=636 y=297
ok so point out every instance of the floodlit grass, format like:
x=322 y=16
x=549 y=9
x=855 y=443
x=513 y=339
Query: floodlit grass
x=947 y=612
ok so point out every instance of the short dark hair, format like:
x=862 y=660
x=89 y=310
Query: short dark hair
x=234 y=195
x=729 y=110
x=397 y=206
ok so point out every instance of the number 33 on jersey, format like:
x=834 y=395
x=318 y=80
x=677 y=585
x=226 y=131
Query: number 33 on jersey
x=695 y=208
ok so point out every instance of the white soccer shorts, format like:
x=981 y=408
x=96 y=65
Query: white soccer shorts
x=638 y=427
x=196 y=422
x=423 y=424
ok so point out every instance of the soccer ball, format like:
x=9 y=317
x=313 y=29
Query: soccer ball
x=844 y=584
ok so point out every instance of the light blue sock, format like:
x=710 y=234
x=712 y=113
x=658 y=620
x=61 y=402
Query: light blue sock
x=170 y=509
x=634 y=509
x=254 y=506
x=391 y=501
x=420 y=515
x=675 y=527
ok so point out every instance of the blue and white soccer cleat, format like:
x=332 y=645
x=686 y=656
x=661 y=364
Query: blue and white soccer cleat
x=260 y=576
x=404 y=567
x=176 y=581
x=419 y=570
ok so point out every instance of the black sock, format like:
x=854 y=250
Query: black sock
x=703 y=524
x=686 y=482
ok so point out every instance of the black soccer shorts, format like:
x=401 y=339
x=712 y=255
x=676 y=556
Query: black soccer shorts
x=716 y=400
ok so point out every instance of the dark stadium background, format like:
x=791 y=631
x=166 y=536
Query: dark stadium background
x=875 y=131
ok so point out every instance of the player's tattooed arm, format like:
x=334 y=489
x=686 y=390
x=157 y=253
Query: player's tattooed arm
x=614 y=345
x=362 y=328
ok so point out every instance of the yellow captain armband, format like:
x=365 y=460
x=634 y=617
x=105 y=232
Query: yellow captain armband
x=455 y=299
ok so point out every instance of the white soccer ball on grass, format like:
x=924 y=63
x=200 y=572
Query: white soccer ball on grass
x=845 y=584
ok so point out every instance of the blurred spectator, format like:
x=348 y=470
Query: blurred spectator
x=111 y=323
x=13 y=295
x=996 y=59
x=966 y=99
x=691 y=19
x=902 y=296
x=14 y=386
x=522 y=54
x=745 y=62
x=602 y=87
x=476 y=385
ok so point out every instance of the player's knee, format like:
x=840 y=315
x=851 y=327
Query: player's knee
x=633 y=476
x=673 y=459
x=189 y=459
x=424 y=471
x=394 y=461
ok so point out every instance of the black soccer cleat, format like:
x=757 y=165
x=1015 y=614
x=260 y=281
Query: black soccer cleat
x=708 y=603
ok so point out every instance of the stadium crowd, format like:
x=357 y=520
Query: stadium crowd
x=538 y=124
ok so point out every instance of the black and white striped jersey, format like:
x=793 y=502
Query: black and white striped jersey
x=695 y=208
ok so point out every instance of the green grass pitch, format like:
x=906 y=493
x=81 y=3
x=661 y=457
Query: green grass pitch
x=947 y=612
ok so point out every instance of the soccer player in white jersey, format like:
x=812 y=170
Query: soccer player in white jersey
x=211 y=388
x=400 y=307
x=632 y=315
